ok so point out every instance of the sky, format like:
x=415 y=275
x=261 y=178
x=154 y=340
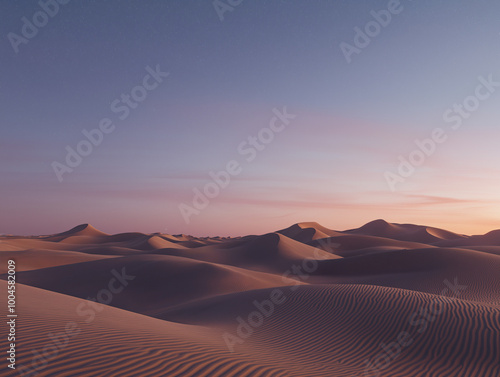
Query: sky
x=315 y=107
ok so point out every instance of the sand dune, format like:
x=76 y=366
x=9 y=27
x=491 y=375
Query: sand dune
x=115 y=343
x=380 y=300
x=423 y=270
x=83 y=230
x=405 y=232
x=159 y=281
x=489 y=239
x=333 y=330
x=306 y=232
x=356 y=242
x=34 y=259
x=271 y=252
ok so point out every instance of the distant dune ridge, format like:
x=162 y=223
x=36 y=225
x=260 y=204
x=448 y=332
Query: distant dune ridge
x=381 y=300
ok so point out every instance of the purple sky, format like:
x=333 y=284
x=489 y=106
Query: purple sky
x=329 y=163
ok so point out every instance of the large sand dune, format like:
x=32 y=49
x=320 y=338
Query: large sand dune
x=381 y=300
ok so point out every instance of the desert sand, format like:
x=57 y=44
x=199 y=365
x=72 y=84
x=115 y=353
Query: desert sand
x=381 y=300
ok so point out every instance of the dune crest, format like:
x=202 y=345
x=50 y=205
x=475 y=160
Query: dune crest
x=302 y=301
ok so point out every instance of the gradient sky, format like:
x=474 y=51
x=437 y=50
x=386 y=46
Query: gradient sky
x=226 y=77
